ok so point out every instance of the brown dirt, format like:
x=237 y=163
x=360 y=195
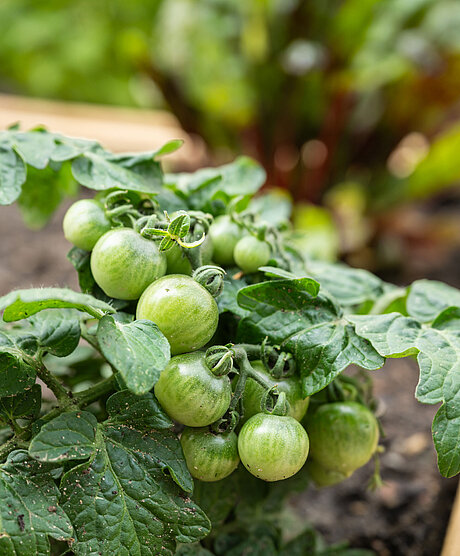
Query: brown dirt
x=407 y=516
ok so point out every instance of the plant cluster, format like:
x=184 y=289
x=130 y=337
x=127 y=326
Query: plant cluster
x=202 y=338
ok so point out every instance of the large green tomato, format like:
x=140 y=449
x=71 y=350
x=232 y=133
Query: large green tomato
x=210 y=457
x=178 y=262
x=343 y=436
x=189 y=392
x=183 y=310
x=84 y=223
x=225 y=234
x=251 y=253
x=292 y=387
x=124 y=263
x=272 y=447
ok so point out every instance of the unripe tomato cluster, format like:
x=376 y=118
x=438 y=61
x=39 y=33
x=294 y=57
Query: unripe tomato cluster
x=337 y=437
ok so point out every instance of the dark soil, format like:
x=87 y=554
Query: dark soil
x=407 y=516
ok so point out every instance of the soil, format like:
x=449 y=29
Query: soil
x=407 y=516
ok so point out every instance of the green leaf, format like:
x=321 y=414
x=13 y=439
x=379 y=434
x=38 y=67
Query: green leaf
x=125 y=407
x=446 y=441
x=21 y=304
x=80 y=260
x=67 y=148
x=12 y=175
x=350 y=286
x=57 y=330
x=312 y=328
x=35 y=147
x=122 y=501
x=227 y=300
x=168 y=148
x=15 y=375
x=26 y=405
x=42 y=193
x=243 y=176
x=166 y=243
x=180 y=225
x=438 y=357
x=29 y=511
x=69 y=436
x=101 y=170
x=428 y=298
x=138 y=350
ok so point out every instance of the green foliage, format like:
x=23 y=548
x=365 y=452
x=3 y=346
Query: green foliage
x=101 y=465
x=29 y=510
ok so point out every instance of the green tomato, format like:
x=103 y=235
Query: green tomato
x=324 y=477
x=251 y=253
x=189 y=392
x=124 y=263
x=183 y=310
x=178 y=262
x=84 y=223
x=225 y=234
x=343 y=436
x=210 y=457
x=292 y=387
x=273 y=447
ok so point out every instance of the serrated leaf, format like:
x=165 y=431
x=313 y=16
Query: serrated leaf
x=428 y=298
x=438 y=357
x=42 y=193
x=227 y=300
x=138 y=350
x=12 y=175
x=80 y=260
x=26 y=405
x=15 y=375
x=180 y=225
x=243 y=176
x=67 y=148
x=312 y=328
x=101 y=170
x=447 y=442
x=145 y=411
x=69 y=436
x=29 y=511
x=350 y=286
x=166 y=243
x=21 y=304
x=57 y=330
x=123 y=502
x=35 y=147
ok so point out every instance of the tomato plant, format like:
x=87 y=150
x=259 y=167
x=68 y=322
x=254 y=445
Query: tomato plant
x=161 y=384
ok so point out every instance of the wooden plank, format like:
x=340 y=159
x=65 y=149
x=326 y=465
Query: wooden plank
x=117 y=129
x=452 y=540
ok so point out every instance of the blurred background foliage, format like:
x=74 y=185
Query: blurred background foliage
x=350 y=105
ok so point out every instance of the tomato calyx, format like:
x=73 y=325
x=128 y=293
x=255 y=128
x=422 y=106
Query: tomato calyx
x=211 y=277
x=219 y=359
x=124 y=208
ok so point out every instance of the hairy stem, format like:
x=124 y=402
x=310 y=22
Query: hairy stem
x=55 y=385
